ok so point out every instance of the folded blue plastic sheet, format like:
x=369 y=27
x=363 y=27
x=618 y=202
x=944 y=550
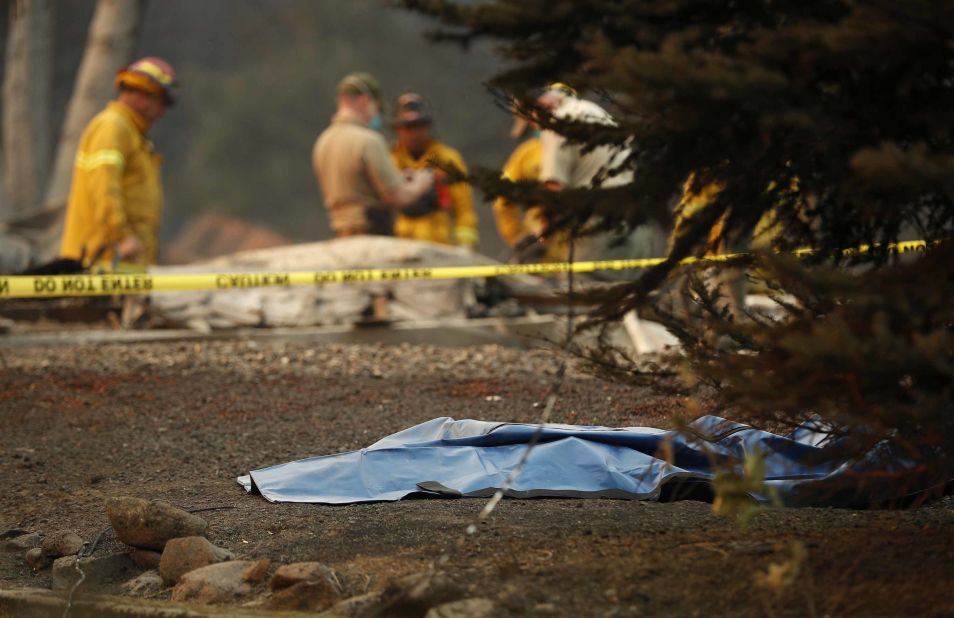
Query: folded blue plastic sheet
x=444 y=457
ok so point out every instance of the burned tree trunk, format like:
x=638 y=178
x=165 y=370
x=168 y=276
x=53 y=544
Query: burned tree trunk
x=27 y=89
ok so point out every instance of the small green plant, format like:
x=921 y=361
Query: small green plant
x=780 y=575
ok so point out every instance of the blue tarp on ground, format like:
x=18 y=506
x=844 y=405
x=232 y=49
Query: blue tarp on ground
x=444 y=457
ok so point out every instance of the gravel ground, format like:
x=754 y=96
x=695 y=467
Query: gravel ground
x=180 y=421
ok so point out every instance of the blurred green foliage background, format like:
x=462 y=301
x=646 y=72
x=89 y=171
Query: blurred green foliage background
x=258 y=85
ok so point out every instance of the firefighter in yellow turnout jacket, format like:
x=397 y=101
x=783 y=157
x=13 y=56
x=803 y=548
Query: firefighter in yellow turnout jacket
x=516 y=224
x=446 y=213
x=730 y=281
x=115 y=200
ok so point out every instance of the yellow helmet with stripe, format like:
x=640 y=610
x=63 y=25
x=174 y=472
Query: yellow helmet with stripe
x=151 y=74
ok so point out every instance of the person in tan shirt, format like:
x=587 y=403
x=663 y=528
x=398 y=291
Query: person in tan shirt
x=360 y=183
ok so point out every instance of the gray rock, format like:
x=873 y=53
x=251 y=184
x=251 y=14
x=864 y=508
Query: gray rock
x=415 y=594
x=257 y=572
x=145 y=584
x=99 y=573
x=149 y=524
x=216 y=583
x=62 y=543
x=303 y=586
x=288 y=575
x=304 y=596
x=188 y=554
x=37 y=559
x=362 y=606
x=22 y=542
x=146 y=559
x=467 y=608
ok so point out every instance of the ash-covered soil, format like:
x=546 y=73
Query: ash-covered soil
x=181 y=421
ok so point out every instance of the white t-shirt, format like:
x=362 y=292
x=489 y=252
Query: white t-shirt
x=566 y=164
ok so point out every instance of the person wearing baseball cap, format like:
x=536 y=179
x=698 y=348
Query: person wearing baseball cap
x=359 y=182
x=115 y=200
x=446 y=214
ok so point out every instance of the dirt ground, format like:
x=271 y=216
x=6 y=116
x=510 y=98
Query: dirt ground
x=181 y=421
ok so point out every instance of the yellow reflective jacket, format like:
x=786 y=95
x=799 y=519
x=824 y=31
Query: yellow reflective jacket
x=116 y=189
x=438 y=226
x=512 y=223
x=766 y=230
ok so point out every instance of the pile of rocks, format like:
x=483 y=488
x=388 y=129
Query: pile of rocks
x=169 y=549
x=40 y=552
x=162 y=536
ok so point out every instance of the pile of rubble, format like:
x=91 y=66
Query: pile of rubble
x=333 y=304
x=525 y=307
x=168 y=549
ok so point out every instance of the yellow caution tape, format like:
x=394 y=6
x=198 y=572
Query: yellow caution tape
x=144 y=283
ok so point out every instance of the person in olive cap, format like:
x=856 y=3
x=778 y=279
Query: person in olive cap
x=359 y=181
x=115 y=200
x=446 y=214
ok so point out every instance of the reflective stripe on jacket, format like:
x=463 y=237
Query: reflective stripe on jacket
x=116 y=189
x=456 y=225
